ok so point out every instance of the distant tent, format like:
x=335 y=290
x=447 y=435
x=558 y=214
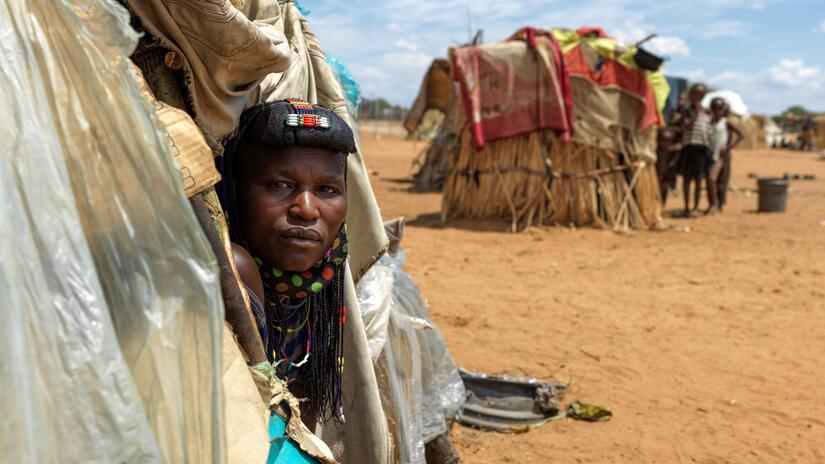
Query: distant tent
x=773 y=133
x=427 y=113
x=604 y=175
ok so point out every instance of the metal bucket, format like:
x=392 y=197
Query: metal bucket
x=773 y=195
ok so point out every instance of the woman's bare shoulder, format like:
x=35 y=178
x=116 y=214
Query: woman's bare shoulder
x=248 y=269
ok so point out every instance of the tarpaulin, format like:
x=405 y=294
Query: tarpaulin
x=611 y=73
x=110 y=347
x=513 y=87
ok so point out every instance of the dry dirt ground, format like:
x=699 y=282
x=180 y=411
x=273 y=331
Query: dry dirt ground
x=706 y=340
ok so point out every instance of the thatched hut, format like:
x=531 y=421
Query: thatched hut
x=753 y=131
x=819 y=132
x=603 y=175
x=427 y=113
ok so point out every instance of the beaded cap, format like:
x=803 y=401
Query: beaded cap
x=293 y=122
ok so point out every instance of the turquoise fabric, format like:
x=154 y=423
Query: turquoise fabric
x=283 y=449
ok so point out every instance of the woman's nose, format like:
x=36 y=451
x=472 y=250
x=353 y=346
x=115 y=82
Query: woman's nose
x=303 y=207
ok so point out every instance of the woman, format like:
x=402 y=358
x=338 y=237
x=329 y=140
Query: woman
x=284 y=190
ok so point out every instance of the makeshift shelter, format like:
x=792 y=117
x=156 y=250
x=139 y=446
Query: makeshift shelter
x=111 y=346
x=753 y=131
x=774 y=134
x=117 y=245
x=436 y=161
x=430 y=107
x=819 y=132
x=566 y=140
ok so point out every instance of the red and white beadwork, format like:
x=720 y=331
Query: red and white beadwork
x=307 y=120
x=305 y=115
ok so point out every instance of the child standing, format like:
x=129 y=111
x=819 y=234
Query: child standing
x=724 y=137
x=695 y=152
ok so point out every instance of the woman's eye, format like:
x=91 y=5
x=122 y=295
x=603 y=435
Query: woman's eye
x=278 y=184
x=328 y=189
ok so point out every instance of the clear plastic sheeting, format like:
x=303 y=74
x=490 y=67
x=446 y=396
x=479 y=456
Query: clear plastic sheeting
x=420 y=384
x=375 y=300
x=110 y=348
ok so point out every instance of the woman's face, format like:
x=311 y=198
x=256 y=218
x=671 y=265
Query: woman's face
x=292 y=203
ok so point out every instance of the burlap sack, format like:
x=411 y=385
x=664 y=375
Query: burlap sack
x=246 y=416
x=187 y=143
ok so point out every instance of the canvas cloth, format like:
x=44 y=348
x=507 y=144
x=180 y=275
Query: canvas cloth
x=221 y=83
x=513 y=87
x=225 y=55
x=246 y=415
x=612 y=74
x=608 y=118
x=608 y=48
x=186 y=142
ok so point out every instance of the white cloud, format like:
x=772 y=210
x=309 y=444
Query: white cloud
x=409 y=59
x=669 y=46
x=788 y=82
x=693 y=75
x=746 y=84
x=408 y=54
x=666 y=45
x=794 y=73
x=367 y=72
x=406 y=44
x=724 y=28
x=388 y=45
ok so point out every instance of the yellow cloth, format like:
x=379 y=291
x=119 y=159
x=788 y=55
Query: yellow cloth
x=607 y=48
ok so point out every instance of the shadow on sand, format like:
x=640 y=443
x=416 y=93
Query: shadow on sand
x=433 y=221
x=409 y=185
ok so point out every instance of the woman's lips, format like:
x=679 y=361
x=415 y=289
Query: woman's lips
x=301 y=238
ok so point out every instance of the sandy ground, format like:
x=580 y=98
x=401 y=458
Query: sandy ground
x=707 y=340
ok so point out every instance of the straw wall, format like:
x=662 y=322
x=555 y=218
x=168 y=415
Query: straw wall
x=819 y=133
x=753 y=131
x=535 y=179
x=437 y=160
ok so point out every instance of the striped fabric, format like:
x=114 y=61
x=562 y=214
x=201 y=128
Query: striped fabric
x=699 y=134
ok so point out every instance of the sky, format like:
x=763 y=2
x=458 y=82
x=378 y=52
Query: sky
x=771 y=52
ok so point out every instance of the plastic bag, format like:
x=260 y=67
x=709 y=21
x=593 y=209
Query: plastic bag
x=420 y=384
x=442 y=388
x=397 y=359
x=111 y=346
x=352 y=91
x=374 y=293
